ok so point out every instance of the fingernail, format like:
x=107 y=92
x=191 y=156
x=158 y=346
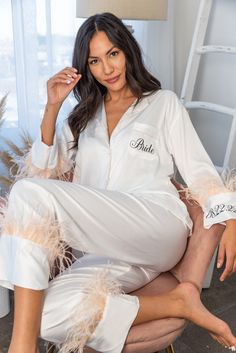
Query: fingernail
x=68 y=82
x=218 y=264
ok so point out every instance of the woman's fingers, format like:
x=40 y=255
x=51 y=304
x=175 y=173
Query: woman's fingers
x=228 y=267
x=63 y=78
x=74 y=81
x=61 y=84
x=69 y=71
x=221 y=255
x=234 y=268
x=227 y=250
x=65 y=74
x=70 y=79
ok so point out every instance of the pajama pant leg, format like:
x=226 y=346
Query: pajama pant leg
x=65 y=297
x=43 y=214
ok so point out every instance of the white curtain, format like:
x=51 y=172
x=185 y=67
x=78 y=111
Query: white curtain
x=37 y=41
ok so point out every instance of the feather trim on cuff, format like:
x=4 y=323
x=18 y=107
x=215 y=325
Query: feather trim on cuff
x=201 y=190
x=26 y=169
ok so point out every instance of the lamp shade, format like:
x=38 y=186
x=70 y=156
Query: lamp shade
x=124 y=9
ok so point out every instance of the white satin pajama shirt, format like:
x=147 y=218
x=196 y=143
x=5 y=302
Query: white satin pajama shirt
x=121 y=210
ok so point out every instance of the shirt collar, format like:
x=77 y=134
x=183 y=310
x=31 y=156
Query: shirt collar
x=129 y=116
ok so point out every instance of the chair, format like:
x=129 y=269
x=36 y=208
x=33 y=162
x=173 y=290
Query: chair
x=157 y=335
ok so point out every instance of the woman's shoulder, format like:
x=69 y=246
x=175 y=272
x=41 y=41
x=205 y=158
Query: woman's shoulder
x=167 y=99
x=162 y=94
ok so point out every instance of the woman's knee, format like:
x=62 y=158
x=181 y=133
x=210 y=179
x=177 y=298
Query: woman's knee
x=27 y=200
x=30 y=214
x=26 y=189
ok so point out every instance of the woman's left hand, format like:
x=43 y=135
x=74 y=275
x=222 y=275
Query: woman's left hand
x=227 y=249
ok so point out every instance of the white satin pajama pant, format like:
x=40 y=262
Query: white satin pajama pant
x=126 y=241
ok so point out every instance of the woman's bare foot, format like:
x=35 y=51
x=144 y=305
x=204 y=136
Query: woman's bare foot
x=191 y=308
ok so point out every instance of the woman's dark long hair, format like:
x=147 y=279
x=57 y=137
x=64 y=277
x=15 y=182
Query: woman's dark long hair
x=88 y=91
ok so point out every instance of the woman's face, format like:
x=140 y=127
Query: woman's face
x=107 y=62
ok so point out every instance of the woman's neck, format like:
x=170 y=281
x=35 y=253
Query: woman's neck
x=116 y=96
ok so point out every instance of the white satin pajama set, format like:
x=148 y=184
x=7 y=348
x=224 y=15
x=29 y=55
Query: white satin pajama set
x=121 y=211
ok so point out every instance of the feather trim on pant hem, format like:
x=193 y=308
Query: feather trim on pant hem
x=45 y=232
x=90 y=311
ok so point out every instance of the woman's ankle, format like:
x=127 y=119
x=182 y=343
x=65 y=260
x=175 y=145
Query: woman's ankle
x=22 y=348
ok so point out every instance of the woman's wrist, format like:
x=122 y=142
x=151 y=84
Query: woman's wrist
x=231 y=223
x=49 y=107
x=48 y=125
x=50 y=113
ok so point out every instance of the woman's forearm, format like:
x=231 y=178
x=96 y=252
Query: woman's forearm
x=49 y=122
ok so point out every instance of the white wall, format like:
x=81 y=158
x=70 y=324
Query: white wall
x=216 y=81
x=156 y=41
x=185 y=13
x=159 y=52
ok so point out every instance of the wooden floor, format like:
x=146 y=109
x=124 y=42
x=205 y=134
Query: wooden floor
x=220 y=299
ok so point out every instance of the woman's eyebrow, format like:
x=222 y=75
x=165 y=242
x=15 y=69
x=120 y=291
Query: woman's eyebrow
x=108 y=52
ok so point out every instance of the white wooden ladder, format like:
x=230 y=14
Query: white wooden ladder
x=198 y=49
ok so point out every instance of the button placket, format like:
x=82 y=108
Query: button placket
x=110 y=160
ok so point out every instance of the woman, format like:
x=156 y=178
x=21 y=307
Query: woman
x=121 y=209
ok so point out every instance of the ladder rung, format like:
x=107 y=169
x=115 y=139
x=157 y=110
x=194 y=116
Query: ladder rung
x=210 y=106
x=216 y=49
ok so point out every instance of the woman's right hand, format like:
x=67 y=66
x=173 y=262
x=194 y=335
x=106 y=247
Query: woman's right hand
x=58 y=88
x=61 y=84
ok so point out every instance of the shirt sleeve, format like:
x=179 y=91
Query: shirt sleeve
x=45 y=161
x=217 y=200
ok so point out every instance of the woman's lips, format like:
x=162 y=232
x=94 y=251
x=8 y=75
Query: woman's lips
x=113 y=80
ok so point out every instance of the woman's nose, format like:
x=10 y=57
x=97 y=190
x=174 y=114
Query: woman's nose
x=108 y=68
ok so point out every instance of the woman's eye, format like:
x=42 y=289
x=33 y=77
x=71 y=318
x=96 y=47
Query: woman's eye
x=93 y=62
x=114 y=53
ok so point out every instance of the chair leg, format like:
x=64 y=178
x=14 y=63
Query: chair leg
x=51 y=348
x=170 y=349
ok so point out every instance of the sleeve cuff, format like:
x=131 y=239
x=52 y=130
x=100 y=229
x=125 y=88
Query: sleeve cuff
x=219 y=208
x=44 y=156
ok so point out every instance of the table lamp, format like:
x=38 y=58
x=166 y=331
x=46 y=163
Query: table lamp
x=124 y=9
